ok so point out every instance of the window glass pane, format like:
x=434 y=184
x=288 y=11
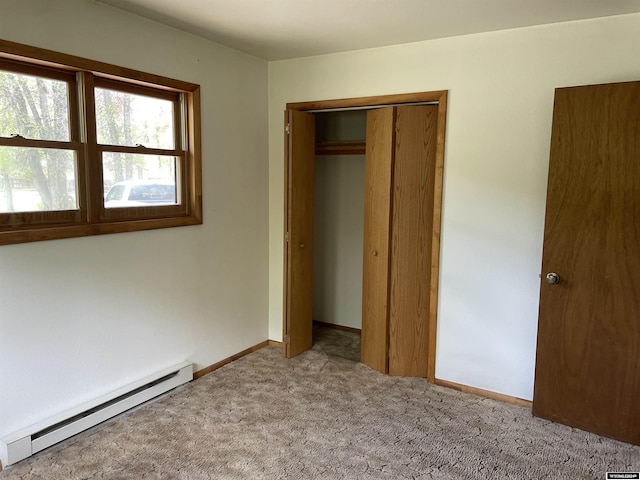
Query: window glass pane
x=34 y=107
x=129 y=120
x=134 y=180
x=34 y=179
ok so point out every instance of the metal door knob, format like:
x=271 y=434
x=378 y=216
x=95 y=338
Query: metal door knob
x=552 y=278
x=302 y=245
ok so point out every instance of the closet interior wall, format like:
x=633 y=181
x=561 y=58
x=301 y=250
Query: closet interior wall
x=339 y=217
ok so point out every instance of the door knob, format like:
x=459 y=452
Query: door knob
x=552 y=278
x=374 y=253
x=302 y=245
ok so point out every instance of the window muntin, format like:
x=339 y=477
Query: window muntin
x=173 y=141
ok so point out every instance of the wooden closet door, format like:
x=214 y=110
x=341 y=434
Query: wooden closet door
x=399 y=202
x=377 y=227
x=300 y=147
x=411 y=239
x=588 y=365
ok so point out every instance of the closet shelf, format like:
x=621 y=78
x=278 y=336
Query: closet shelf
x=341 y=148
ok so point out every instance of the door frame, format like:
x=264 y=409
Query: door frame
x=436 y=97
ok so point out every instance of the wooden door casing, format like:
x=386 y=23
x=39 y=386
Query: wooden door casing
x=587 y=365
x=300 y=144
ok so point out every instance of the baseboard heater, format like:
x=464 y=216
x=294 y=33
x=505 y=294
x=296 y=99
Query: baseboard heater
x=33 y=439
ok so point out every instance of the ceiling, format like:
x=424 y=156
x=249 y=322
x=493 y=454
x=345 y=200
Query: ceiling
x=282 y=29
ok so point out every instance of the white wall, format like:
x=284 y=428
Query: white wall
x=338 y=229
x=81 y=317
x=501 y=89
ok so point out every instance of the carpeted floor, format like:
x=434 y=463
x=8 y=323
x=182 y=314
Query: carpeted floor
x=323 y=415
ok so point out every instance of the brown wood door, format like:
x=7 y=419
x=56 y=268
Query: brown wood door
x=399 y=189
x=298 y=295
x=588 y=362
x=377 y=230
x=412 y=224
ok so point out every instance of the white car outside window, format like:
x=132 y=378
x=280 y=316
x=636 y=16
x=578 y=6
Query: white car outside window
x=139 y=193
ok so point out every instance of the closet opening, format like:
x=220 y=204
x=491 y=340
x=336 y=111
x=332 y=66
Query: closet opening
x=338 y=222
x=343 y=232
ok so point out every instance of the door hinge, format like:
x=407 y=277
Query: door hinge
x=286 y=237
x=287 y=128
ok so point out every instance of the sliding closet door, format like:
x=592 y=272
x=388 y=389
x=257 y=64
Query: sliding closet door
x=300 y=147
x=377 y=224
x=411 y=239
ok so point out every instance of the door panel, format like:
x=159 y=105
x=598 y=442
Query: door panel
x=377 y=224
x=588 y=365
x=300 y=145
x=413 y=199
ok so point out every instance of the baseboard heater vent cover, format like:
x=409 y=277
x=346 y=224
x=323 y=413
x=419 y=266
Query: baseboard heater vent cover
x=31 y=440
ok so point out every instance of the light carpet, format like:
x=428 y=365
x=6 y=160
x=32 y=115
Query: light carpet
x=324 y=415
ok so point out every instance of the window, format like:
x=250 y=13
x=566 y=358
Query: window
x=89 y=148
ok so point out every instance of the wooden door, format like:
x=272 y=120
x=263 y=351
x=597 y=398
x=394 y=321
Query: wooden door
x=377 y=227
x=411 y=239
x=399 y=205
x=588 y=363
x=298 y=295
